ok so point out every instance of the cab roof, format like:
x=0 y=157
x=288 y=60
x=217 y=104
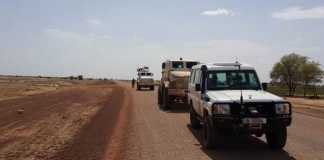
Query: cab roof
x=181 y=61
x=225 y=66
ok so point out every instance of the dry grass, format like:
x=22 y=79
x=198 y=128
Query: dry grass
x=14 y=87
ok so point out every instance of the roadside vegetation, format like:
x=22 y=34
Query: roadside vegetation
x=297 y=75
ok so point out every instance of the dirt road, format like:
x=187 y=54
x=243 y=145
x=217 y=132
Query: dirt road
x=156 y=134
x=64 y=124
x=114 y=121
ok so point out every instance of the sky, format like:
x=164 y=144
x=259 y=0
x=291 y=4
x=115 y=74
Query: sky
x=111 y=38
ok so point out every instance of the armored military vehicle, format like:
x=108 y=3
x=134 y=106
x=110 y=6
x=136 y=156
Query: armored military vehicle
x=174 y=82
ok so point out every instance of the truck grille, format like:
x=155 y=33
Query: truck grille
x=146 y=81
x=253 y=109
x=179 y=83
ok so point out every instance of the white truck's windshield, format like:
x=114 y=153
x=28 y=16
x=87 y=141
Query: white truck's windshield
x=232 y=80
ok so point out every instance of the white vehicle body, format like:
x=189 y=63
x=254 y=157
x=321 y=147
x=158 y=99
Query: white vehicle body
x=229 y=97
x=144 y=78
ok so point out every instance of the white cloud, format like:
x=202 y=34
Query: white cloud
x=93 y=21
x=68 y=35
x=218 y=12
x=297 y=13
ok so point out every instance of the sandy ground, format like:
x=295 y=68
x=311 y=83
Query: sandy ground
x=311 y=107
x=39 y=126
x=307 y=102
x=15 y=87
x=113 y=121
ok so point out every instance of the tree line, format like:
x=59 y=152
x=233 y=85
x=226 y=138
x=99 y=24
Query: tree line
x=296 y=70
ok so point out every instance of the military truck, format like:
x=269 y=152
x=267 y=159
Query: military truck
x=144 y=78
x=228 y=99
x=174 y=82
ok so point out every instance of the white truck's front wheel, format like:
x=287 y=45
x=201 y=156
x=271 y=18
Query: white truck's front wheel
x=277 y=138
x=194 y=122
x=208 y=133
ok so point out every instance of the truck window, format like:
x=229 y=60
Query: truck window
x=177 y=65
x=197 y=76
x=190 y=64
x=232 y=80
x=252 y=79
x=163 y=65
x=192 y=76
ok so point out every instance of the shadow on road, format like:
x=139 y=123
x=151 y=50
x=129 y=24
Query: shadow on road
x=244 y=147
x=144 y=89
x=178 y=108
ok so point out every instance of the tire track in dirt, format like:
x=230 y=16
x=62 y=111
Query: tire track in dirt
x=119 y=136
x=95 y=140
x=50 y=120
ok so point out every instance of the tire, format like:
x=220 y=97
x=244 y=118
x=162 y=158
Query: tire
x=165 y=99
x=159 y=96
x=208 y=135
x=194 y=122
x=138 y=87
x=152 y=88
x=277 y=139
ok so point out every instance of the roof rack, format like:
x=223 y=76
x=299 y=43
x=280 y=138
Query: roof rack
x=228 y=64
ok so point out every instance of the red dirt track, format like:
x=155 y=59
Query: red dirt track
x=112 y=121
x=73 y=123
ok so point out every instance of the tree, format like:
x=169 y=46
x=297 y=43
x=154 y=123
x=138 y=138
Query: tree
x=311 y=74
x=288 y=71
x=80 y=77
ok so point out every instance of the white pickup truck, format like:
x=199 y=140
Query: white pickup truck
x=228 y=99
x=144 y=78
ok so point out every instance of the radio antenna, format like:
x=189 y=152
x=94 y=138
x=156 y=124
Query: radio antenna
x=241 y=97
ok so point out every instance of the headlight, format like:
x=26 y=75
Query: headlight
x=282 y=108
x=222 y=109
x=166 y=84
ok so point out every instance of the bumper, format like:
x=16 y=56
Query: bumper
x=235 y=124
x=146 y=84
x=177 y=92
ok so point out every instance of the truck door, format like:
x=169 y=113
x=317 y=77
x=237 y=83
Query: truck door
x=191 y=88
x=198 y=102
